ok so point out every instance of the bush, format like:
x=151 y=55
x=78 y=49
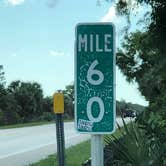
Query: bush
x=48 y=116
x=134 y=148
x=1 y=117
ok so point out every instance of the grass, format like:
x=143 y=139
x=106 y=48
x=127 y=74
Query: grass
x=25 y=125
x=29 y=124
x=75 y=156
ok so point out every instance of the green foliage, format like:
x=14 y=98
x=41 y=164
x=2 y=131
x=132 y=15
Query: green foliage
x=46 y=116
x=158 y=22
x=75 y=155
x=2 y=78
x=154 y=124
x=124 y=107
x=8 y=108
x=69 y=101
x=142 y=59
x=47 y=104
x=28 y=97
x=69 y=90
x=23 y=102
x=133 y=147
x=140 y=62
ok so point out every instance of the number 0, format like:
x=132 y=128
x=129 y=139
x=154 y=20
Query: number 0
x=89 y=109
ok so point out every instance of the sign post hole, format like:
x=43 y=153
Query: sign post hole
x=94 y=84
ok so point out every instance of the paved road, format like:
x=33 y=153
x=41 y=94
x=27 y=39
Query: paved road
x=21 y=146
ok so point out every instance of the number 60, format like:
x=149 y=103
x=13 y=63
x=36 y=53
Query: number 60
x=90 y=73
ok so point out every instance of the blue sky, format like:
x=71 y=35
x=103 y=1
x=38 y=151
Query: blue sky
x=37 y=42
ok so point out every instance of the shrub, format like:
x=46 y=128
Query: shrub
x=134 y=148
x=48 y=116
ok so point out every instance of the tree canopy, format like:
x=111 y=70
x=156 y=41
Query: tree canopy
x=2 y=78
x=142 y=58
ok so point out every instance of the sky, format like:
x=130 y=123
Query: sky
x=37 y=42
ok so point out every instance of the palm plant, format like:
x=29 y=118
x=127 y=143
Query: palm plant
x=132 y=147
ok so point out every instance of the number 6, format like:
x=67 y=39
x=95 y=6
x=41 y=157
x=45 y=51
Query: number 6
x=92 y=71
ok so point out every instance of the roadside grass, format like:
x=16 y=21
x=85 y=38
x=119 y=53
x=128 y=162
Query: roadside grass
x=25 y=124
x=29 y=124
x=75 y=155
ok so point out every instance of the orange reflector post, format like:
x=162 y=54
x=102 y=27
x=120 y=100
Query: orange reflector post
x=58 y=103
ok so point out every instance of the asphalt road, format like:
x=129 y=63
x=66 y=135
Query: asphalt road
x=22 y=146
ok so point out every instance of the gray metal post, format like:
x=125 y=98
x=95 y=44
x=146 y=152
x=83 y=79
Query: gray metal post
x=97 y=154
x=60 y=140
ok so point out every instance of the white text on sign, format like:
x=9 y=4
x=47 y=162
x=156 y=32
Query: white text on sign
x=90 y=73
x=97 y=43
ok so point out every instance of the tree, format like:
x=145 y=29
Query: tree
x=140 y=62
x=48 y=104
x=69 y=90
x=155 y=35
x=2 y=78
x=143 y=59
x=69 y=101
x=29 y=97
x=8 y=108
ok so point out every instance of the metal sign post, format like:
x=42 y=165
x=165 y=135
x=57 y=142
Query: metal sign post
x=59 y=110
x=94 y=84
x=60 y=140
x=97 y=150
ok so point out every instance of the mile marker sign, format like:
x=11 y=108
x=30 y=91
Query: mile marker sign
x=95 y=78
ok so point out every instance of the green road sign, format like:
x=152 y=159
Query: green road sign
x=95 y=78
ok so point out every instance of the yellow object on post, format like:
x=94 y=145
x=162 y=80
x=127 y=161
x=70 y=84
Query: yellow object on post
x=58 y=103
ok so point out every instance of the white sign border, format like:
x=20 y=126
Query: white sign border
x=114 y=81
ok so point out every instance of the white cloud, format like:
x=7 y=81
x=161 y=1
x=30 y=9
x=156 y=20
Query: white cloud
x=15 y=2
x=110 y=15
x=119 y=22
x=57 y=53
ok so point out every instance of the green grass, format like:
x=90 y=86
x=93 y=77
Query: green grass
x=75 y=156
x=25 y=125
x=29 y=124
